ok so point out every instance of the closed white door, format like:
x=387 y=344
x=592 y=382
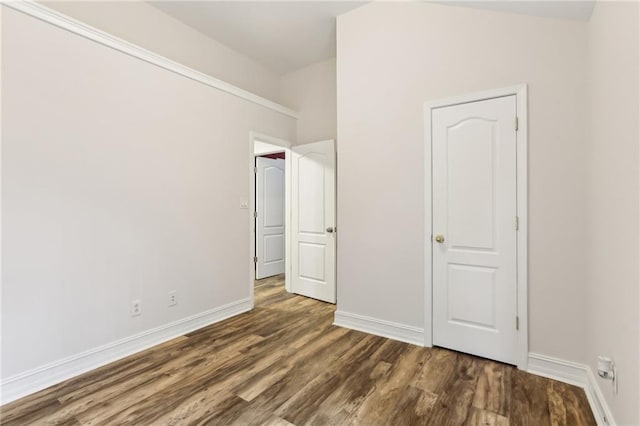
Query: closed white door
x=313 y=205
x=270 y=243
x=475 y=228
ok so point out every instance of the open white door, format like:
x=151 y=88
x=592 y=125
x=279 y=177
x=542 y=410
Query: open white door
x=475 y=228
x=313 y=213
x=270 y=197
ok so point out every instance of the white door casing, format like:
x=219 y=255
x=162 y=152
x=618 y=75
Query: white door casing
x=521 y=122
x=313 y=244
x=270 y=217
x=474 y=208
x=279 y=145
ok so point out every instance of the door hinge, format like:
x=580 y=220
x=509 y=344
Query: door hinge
x=255 y=259
x=255 y=170
x=517 y=124
x=517 y=322
x=517 y=223
x=255 y=214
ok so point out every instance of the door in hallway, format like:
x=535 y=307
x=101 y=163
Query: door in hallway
x=270 y=211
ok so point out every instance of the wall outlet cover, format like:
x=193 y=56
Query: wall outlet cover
x=136 y=308
x=172 y=298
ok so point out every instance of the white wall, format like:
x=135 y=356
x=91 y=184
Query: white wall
x=260 y=148
x=312 y=92
x=392 y=57
x=140 y=23
x=613 y=317
x=120 y=181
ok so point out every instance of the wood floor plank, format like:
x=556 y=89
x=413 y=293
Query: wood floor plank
x=100 y=399
x=199 y=407
x=529 y=399
x=333 y=341
x=254 y=416
x=479 y=417
x=412 y=407
x=355 y=386
x=436 y=367
x=284 y=363
x=216 y=376
x=493 y=388
x=227 y=412
x=120 y=370
x=128 y=402
x=324 y=376
x=379 y=406
x=455 y=401
x=391 y=350
x=566 y=405
x=40 y=412
x=289 y=385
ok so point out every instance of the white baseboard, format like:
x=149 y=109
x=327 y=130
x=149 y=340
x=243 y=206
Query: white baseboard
x=574 y=374
x=391 y=330
x=557 y=369
x=42 y=377
x=596 y=399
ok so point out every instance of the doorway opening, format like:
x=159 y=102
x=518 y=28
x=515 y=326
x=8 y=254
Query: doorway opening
x=269 y=213
x=308 y=237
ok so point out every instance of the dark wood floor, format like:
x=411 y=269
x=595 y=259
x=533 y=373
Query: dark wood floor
x=284 y=363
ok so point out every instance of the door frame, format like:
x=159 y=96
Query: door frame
x=285 y=145
x=520 y=91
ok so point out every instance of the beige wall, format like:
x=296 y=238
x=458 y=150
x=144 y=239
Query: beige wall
x=392 y=57
x=120 y=181
x=312 y=92
x=613 y=317
x=140 y=23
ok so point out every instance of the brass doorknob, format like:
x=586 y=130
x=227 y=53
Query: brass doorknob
x=440 y=239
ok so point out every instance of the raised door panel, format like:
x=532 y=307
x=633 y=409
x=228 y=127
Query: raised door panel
x=471 y=180
x=274 y=198
x=311 y=192
x=471 y=296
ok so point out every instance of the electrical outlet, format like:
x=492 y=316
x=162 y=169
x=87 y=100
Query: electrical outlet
x=136 y=308
x=173 y=298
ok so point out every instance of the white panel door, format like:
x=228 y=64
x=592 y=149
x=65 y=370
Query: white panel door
x=270 y=179
x=474 y=228
x=313 y=212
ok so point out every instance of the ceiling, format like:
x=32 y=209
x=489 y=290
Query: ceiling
x=288 y=35
x=282 y=35
x=577 y=10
